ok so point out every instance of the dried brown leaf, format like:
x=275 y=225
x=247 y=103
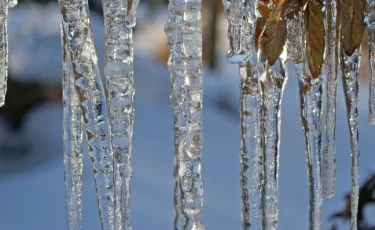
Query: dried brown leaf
x=352 y=24
x=314 y=25
x=282 y=7
x=272 y=39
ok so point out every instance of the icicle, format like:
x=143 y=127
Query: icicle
x=370 y=20
x=329 y=164
x=250 y=115
x=120 y=19
x=77 y=28
x=73 y=149
x=311 y=110
x=3 y=50
x=190 y=172
x=251 y=151
x=273 y=80
x=332 y=59
x=350 y=68
x=235 y=13
x=310 y=91
x=12 y=3
x=235 y=24
x=184 y=32
x=173 y=30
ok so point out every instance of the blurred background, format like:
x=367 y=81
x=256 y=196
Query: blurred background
x=31 y=165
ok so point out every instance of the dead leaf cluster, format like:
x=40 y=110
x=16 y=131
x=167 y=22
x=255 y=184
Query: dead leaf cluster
x=271 y=29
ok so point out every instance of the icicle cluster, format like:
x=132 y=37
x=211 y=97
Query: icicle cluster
x=120 y=19
x=73 y=148
x=92 y=100
x=3 y=49
x=107 y=120
x=184 y=32
x=261 y=94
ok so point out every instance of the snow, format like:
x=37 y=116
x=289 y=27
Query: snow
x=32 y=189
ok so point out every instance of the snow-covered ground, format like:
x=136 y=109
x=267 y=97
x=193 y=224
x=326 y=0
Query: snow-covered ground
x=32 y=189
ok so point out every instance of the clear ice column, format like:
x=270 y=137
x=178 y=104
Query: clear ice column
x=350 y=69
x=273 y=80
x=173 y=30
x=88 y=83
x=332 y=60
x=251 y=160
x=120 y=19
x=3 y=50
x=370 y=20
x=241 y=18
x=311 y=92
x=190 y=168
x=73 y=146
x=353 y=23
x=271 y=71
x=251 y=164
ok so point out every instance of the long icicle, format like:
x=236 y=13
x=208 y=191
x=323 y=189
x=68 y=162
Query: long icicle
x=332 y=60
x=77 y=28
x=350 y=68
x=241 y=17
x=250 y=116
x=73 y=147
x=251 y=152
x=120 y=19
x=173 y=31
x=273 y=80
x=190 y=171
x=3 y=50
x=370 y=20
x=311 y=92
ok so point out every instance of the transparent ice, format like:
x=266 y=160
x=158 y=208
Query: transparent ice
x=311 y=92
x=173 y=30
x=272 y=80
x=3 y=49
x=370 y=20
x=73 y=147
x=350 y=74
x=251 y=152
x=120 y=19
x=77 y=29
x=184 y=32
x=332 y=65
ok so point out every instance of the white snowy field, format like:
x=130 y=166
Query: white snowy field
x=32 y=189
